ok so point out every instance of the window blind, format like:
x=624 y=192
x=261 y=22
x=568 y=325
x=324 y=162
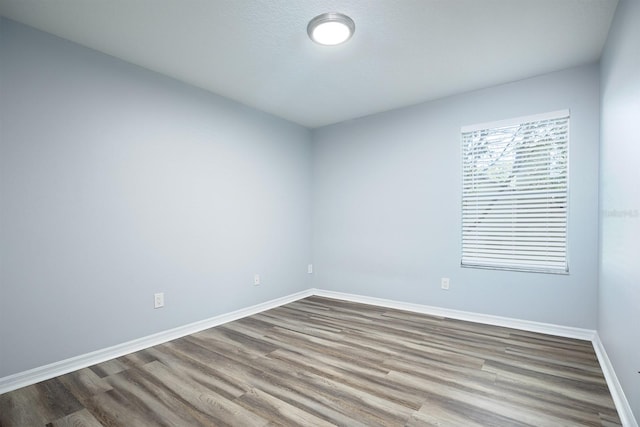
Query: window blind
x=515 y=194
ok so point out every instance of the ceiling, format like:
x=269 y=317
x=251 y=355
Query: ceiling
x=403 y=52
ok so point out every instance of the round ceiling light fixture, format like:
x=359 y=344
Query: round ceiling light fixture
x=331 y=29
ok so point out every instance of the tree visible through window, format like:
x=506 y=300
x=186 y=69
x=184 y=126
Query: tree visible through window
x=515 y=194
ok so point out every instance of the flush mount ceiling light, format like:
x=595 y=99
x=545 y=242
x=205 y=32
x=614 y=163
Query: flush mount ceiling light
x=330 y=29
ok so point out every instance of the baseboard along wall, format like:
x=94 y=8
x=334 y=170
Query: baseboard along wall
x=619 y=398
x=41 y=373
x=35 y=375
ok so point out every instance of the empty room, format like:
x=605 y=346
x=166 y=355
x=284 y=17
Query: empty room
x=319 y=213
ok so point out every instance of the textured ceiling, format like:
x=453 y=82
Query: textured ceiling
x=403 y=51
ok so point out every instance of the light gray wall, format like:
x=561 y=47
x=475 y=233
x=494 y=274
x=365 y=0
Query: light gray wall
x=386 y=203
x=620 y=200
x=116 y=183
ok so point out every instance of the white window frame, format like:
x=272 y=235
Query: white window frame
x=501 y=238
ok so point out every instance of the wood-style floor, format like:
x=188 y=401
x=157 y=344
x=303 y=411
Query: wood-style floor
x=322 y=362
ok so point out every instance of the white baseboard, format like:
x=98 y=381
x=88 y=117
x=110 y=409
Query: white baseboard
x=52 y=370
x=525 y=325
x=619 y=398
x=62 y=367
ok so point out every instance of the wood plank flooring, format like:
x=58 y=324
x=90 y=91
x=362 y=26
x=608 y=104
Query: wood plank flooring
x=324 y=362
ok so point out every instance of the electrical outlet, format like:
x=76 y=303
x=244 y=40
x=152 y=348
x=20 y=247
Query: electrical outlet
x=310 y=268
x=158 y=300
x=256 y=280
x=444 y=283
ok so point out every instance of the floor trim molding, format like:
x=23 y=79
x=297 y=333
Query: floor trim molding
x=619 y=398
x=41 y=373
x=32 y=376
x=526 y=325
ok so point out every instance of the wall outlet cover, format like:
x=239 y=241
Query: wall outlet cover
x=158 y=300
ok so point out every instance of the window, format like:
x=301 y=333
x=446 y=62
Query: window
x=515 y=194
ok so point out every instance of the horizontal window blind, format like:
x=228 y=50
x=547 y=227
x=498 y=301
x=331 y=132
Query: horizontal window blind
x=515 y=194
